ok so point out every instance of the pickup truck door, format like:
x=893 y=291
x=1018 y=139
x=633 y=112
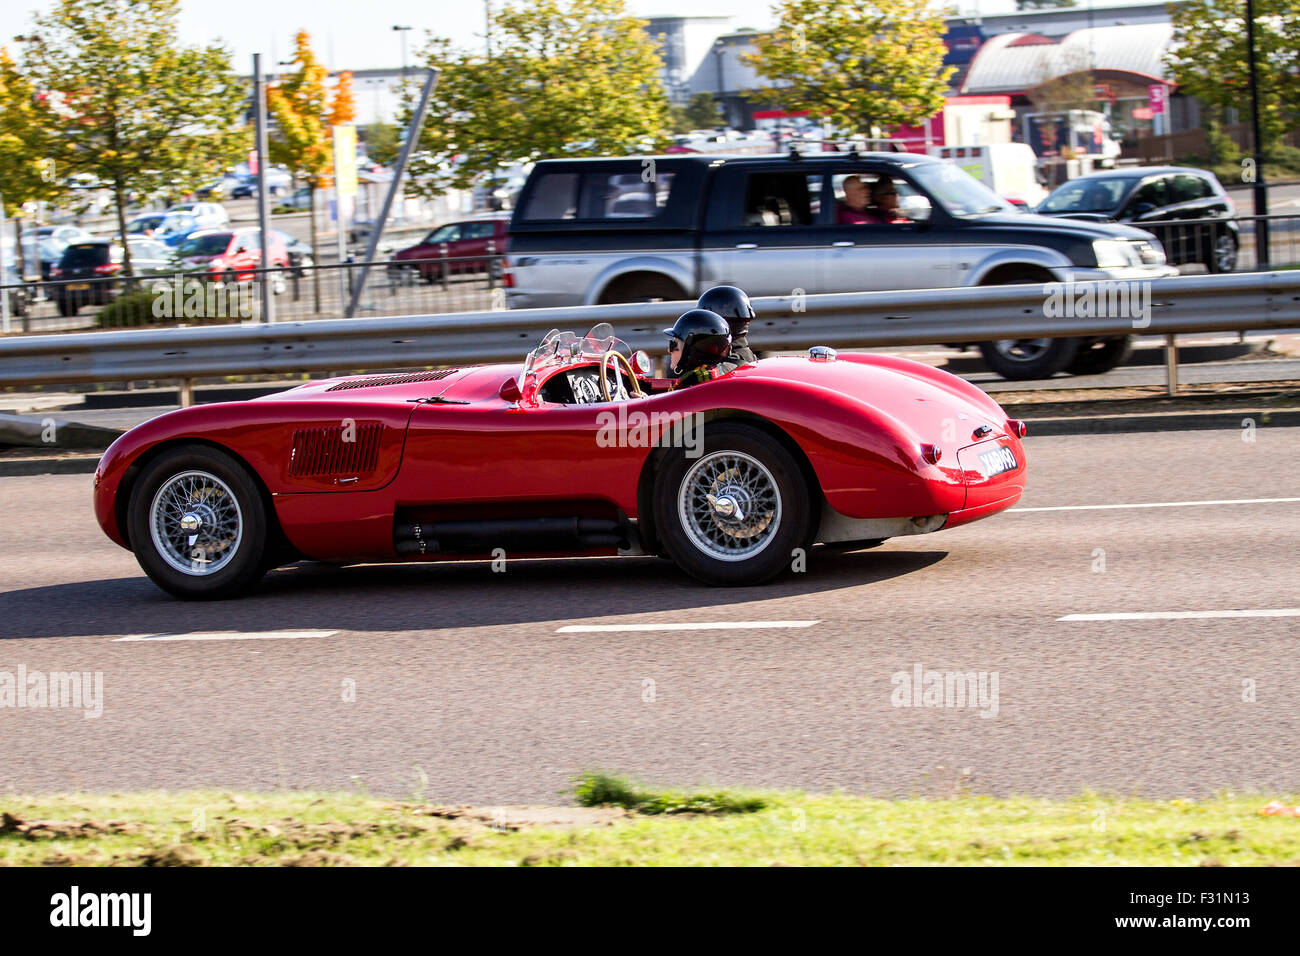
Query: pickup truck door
x=763 y=231
x=868 y=257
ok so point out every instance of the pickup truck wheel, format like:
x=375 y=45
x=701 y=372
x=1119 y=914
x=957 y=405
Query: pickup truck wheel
x=734 y=514
x=197 y=523
x=1023 y=359
x=643 y=288
x=1100 y=355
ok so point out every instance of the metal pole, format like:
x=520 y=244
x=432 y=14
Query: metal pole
x=4 y=296
x=1171 y=364
x=377 y=229
x=263 y=208
x=1260 y=190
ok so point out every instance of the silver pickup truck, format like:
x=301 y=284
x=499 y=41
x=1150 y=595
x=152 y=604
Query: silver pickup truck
x=589 y=231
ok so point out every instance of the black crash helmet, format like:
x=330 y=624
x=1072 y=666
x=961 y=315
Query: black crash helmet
x=730 y=303
x=705 y=338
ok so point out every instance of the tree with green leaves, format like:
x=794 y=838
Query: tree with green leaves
x=126 y=102
x=302 y=111
x=1209 y=61
x=864 y=66
x=565 y=78
x=702 y=112
x=383 y=142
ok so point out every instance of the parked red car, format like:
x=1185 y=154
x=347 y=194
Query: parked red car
x=471 y=244
x=575 y=453
x=231 y=254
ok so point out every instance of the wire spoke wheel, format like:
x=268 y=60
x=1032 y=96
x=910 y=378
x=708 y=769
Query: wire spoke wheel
x=196 y=523
x=729 y=505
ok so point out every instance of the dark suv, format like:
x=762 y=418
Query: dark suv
x=89 y=272
x=1161 y=200
x=635 y=229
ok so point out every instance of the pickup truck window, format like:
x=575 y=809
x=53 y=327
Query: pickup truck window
x=861 y=207
x=782 y=199
x=597 y=196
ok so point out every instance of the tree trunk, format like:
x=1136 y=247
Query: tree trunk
x=119 y=197
x=315 y=259
x=22 y=266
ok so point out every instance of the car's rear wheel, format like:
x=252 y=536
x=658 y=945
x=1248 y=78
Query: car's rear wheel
x=1224 y=256
x=198 y=524
x=1100 y=355
x=735 y=513
x=1022 y=359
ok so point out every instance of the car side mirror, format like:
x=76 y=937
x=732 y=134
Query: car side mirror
x=916 y=208
x=510 y=390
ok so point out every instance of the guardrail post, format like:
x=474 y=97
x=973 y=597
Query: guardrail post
x=187 y=392
x=1171 y=364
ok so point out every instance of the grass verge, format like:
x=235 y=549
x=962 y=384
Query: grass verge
x=645 y=827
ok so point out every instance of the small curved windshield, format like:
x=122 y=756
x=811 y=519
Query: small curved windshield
x=1086 y=195
x=565 y=348
x=961 y=194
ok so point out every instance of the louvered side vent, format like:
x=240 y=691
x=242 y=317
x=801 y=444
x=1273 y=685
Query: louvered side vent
x=373 y=381
x=323 y=452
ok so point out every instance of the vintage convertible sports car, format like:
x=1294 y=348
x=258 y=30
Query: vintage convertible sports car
x=578 y=453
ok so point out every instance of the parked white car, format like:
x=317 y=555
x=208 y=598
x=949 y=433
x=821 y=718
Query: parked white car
x=208 y=215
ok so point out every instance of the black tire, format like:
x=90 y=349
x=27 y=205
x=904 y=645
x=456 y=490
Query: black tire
x=642 y=288
x=1023 y=359
x=690 y=542
x=67 y=307
x=1223 y=255
x=238 y=566
x=1100 y=355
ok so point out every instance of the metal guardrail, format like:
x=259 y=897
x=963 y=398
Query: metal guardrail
x=1256 y=301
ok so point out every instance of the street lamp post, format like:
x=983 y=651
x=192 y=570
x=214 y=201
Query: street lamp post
x=403 y=31
x=1261 y=189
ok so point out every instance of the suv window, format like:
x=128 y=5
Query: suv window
x=555 y=196
x=781 y=199
x=85 y=254
x=444 y=234
x=872 y=182
x=1188 y=188
x=477 y=230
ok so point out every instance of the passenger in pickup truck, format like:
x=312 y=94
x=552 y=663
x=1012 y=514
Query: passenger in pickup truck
x=853 y=210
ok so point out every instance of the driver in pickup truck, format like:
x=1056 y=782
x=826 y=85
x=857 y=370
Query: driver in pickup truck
x=699 y=346
x=733 y=305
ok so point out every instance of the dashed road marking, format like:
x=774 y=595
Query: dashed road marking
x=1181 y=615
x=705 y=626
x=227 y=636
x=1160 y=504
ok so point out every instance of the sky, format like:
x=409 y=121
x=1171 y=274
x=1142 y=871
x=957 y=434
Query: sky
x=358 y=34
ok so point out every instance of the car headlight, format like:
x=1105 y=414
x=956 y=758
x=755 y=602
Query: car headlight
x=1111 y=253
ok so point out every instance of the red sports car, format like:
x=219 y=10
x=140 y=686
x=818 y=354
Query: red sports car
x=579 y=452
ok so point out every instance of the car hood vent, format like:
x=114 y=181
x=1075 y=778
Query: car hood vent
x=350 y=449
x=374 y=381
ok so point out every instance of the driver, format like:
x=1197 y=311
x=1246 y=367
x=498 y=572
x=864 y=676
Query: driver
x=699 y=344
x=733 y=305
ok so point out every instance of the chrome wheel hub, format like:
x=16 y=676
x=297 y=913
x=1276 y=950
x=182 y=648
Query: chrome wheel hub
x=195 y=523
x=1023 y=350
x=729 y=505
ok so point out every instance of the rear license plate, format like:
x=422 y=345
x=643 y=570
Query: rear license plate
x=79 y=286
x=997 y=460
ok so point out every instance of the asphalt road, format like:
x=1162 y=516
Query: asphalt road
x=463 y=674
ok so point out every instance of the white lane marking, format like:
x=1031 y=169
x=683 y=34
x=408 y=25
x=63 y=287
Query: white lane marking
x=1181 y=615
x=1161 y=504
x=709 y=626
x=227 y=636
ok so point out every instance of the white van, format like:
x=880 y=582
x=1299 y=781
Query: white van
x=1009 y=169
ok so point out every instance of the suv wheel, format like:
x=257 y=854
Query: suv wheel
x=1022 y=359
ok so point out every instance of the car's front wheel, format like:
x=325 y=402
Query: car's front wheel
x=735 y=512
x=197 y=523
x=1224 y=255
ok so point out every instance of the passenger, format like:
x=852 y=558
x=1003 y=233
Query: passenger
x=884 y=201
x=853 y=210
x=699 y=345
x=733 y=305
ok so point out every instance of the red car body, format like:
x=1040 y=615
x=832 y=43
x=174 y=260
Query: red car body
x=238 y=256
x=465 y=446
x=469 y=246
